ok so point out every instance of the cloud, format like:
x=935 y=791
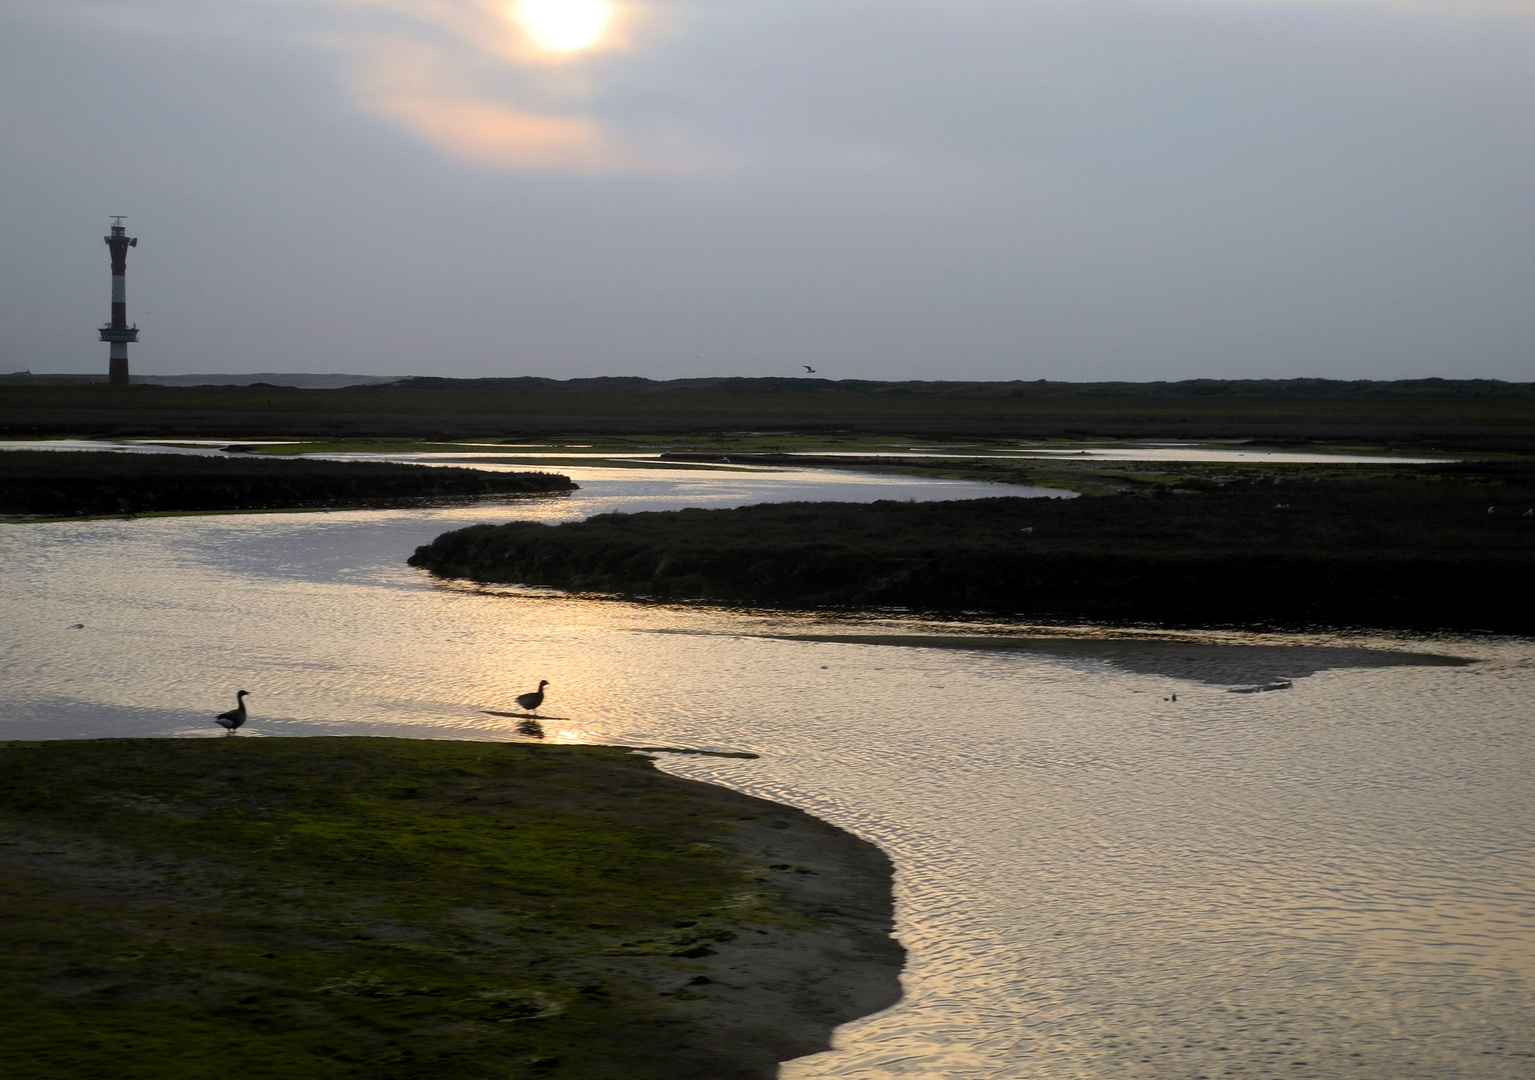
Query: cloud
x=433 y=93
x=460 y=75
x=484 y=132
x=463 y=76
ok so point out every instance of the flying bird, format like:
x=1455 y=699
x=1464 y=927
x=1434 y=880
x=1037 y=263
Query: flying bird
x=534 y=698
x=808 y=368
x=235 y=716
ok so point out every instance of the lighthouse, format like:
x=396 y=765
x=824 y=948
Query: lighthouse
x=118 y=332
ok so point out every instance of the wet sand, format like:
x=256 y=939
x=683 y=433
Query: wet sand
x=777 y=992
x=1197 y=660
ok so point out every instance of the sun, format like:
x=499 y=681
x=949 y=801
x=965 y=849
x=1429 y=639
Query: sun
x=564 y=25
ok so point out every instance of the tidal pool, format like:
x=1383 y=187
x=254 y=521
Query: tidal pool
x=1094 y=880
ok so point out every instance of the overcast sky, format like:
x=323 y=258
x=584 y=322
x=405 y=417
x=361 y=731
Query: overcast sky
x=986 y=189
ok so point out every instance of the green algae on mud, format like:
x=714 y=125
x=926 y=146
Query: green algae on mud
x=398 y=909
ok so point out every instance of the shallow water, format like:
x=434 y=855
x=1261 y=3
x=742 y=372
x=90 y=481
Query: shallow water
x=1094 y=880
x=500 y=455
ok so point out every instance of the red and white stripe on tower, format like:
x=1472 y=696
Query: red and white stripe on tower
x=118 y=332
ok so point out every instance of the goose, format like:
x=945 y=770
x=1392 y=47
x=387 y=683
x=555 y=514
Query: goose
x=235 y=716
x=532 y=700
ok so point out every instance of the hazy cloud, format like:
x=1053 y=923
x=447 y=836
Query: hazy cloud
x=460 y=74
x=464 y=76
x=426 y=90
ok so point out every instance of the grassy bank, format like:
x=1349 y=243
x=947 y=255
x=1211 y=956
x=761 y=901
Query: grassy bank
x=393 y=909
x=61 y=484
x=1284 y=547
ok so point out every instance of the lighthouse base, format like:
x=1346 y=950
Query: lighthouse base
x=117 y=366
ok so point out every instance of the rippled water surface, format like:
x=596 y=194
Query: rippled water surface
x=1095 y=880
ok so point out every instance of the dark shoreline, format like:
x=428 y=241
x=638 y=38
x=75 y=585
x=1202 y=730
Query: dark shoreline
x=408 y=910
x=81 y=483
x=1421 y=553
x=1443 y=413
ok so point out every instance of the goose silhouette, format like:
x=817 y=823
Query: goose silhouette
x=235 y=716
x=533 y=698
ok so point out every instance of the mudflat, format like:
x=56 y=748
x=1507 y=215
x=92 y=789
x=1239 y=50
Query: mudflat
x=401 y=909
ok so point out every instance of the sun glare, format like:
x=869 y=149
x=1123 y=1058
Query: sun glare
x=564 y=25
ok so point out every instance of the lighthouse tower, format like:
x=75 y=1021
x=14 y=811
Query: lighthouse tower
x=118 y=332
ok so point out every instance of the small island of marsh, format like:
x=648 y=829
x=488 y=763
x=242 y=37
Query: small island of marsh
x=1436 y=547
x=76 y=483
x=396 y=909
